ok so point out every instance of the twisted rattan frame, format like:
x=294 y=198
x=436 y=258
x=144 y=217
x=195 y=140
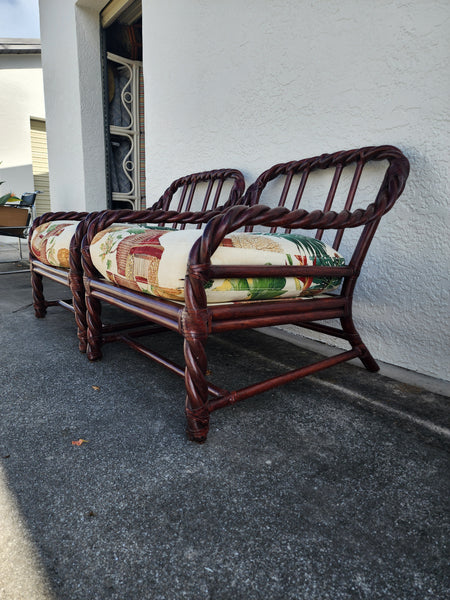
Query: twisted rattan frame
x=73 y=278
x=196 y=320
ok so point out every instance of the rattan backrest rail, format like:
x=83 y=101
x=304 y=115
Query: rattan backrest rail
x=280 y=217
x=195 y=319
x=187 y=186
x=391 y=188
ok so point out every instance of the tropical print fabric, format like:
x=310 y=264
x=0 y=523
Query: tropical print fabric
x=50 y=242
x=154 y=262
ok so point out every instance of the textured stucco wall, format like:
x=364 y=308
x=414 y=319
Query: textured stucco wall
x=248 y=84
x=21 y=97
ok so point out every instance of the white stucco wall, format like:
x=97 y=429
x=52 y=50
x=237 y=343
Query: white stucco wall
x=21 y=97
x=248 y=84
x=73 y=98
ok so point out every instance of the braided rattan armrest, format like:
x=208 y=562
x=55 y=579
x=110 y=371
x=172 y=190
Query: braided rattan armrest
x=57 y=216
x=108 y=218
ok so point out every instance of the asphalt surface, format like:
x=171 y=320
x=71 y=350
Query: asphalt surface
x=334 y=487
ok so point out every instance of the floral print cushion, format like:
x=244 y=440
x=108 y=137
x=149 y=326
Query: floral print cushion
x=50 y=242
x=154 y=262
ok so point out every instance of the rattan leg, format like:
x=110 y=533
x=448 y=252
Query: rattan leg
x=355 y=339
x=39 y=304
x=94 y=328
x=197 y=413
x=79 y=306
x=80 y=318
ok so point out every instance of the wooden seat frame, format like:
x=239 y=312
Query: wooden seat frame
x=186 y=188
x=195 y=320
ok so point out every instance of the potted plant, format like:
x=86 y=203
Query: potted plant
x=12 y=216
x=7 y=197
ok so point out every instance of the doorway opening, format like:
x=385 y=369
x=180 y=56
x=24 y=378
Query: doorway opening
x=123 y=93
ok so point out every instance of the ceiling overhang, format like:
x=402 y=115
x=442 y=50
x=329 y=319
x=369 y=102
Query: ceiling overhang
x=123 y=11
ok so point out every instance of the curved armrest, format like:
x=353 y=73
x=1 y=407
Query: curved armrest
x=237 y=217
x=200 y=270
x=106 y=218
x=57 y=216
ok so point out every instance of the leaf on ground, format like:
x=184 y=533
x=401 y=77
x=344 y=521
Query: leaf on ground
x=79 y=442
x=95 y=387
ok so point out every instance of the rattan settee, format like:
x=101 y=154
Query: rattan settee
x=306 y=283
x=55 y=238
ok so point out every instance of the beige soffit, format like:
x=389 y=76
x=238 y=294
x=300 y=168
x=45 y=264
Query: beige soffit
x=126 y=11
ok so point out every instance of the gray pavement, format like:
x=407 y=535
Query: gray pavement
x=331 y=488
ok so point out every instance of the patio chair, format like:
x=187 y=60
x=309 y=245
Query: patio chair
x=27 y=200
x=223 y=279
x=55 y=238
x=15 y=218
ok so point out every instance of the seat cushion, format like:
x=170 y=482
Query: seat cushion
x=50 y=242
x=155 y=262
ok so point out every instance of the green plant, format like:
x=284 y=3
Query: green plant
x=8 y=197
